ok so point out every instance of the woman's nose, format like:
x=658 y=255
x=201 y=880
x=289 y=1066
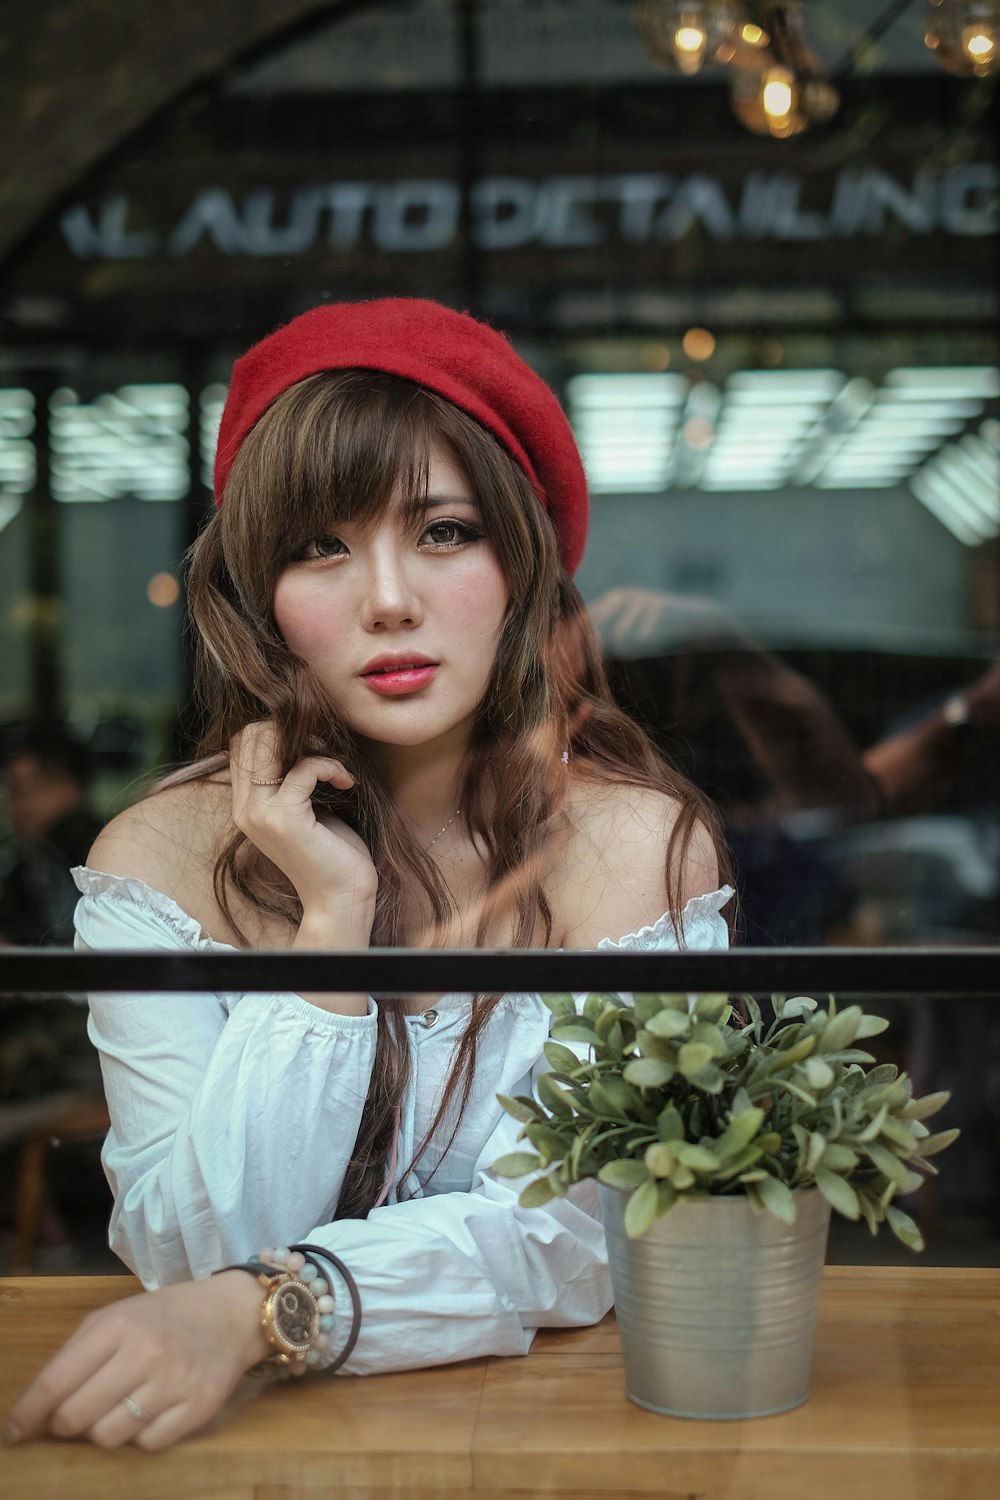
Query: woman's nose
x=392 y=597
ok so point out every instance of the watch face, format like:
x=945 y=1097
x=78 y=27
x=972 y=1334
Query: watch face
x=294 y=1316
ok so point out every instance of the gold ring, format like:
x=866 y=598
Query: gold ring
x=135 y=1410
x=271 y=781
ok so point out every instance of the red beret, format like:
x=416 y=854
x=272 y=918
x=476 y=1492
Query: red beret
x=446 y=351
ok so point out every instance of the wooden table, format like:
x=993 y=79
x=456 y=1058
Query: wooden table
x=905 y=1403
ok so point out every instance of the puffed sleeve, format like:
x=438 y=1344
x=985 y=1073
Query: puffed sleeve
x=462 y=1275
x=229 y=1113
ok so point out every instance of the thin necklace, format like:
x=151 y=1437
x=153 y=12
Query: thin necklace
x=445 y=828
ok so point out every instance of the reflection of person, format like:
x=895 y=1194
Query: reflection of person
x=412 y=743
x=917 y=766
x=797 y=741
x=767 y=745
x=757 y=735
x=46 y=782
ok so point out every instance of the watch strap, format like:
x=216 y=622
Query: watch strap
x=270 y=1275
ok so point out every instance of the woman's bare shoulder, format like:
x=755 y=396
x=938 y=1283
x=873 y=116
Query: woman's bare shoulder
x=170 y=839
x=613 y=873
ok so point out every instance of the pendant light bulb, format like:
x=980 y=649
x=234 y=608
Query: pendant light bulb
x=690 y=42
x=964 y=35
x=778 y=94
x=684 y=35
x=979 y=44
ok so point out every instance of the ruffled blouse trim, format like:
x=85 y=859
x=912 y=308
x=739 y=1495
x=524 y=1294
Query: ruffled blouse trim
x=136 y=892
x=698 y=908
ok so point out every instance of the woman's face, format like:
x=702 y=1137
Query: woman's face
x=399 y=620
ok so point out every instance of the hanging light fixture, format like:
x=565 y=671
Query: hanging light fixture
x=781 y=89
x=964 y=35
x=685 y=34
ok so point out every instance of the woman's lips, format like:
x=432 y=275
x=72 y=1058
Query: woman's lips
x=399 y=680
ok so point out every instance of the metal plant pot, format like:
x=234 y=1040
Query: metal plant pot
x=716 y=1305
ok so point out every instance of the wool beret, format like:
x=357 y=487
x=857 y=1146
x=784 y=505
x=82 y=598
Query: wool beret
x=449 y=352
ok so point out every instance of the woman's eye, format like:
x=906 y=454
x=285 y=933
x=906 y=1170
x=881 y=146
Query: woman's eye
x=322 y=546
x=450 y=533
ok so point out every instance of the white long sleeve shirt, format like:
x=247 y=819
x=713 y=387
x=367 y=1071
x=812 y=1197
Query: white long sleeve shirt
x=233 y=1118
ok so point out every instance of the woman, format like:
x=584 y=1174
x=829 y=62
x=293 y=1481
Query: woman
x=410 y=743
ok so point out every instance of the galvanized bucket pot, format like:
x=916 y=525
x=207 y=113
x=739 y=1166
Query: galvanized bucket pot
x=716 y=1305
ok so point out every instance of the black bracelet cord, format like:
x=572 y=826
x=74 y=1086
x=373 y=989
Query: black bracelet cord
x=318 y=1253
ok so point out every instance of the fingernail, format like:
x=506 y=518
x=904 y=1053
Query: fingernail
x=11 y=1434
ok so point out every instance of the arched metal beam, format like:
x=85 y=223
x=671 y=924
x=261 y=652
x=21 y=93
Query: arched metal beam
x=79 y=81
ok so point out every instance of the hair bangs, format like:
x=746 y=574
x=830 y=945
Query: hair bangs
x=356 y=441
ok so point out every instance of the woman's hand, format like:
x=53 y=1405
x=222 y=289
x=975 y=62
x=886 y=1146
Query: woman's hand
x=149 y=1369
x=326 y=861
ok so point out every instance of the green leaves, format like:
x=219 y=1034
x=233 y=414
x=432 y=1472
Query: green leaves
x=692 y=1057
x=837 y=1192
x=649 y=1072
x=904 y=1228
x=740 y=1132
x=516 y=1164
x=647 y=1203
x=777 y=1197
x=669 y=1096
x=623 y=1174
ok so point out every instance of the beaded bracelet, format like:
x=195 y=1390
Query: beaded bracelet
x=317 y=1251
x=298 y=1309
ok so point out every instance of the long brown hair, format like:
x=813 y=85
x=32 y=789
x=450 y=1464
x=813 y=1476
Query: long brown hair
x=340 y=445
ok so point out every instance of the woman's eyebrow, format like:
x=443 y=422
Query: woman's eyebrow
x=414 y=508
x=427 y=501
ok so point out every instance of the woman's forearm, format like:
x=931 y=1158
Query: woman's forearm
x=340 y=928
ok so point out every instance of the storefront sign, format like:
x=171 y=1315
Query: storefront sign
x=414 y=215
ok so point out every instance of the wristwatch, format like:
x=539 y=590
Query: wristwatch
x=965 y=731
x=296 y=1313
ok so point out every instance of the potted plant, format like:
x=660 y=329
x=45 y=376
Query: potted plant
x=720 y=1142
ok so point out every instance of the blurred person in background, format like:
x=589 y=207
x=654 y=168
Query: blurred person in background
x=46 y=788
x=46 y=1057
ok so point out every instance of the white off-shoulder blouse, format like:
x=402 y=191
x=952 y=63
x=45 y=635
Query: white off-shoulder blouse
x=233 y=1117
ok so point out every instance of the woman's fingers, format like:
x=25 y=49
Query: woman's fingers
x=100 y=1402
x=253 y=754
x=176 y=1422
x=158 y=1424
x=255 y=764
x=75 y=1364
x=306 y=772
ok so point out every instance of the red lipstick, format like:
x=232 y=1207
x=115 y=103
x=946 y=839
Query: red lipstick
x=397 y=673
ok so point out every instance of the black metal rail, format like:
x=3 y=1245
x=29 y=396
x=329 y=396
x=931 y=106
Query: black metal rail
x=938 y=972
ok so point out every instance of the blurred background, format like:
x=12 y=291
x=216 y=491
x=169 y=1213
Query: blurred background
x=753 y=248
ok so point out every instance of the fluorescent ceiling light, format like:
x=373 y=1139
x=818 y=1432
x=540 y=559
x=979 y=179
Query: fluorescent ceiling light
x=969 y=536
x=870 y=467
x=653 y=390
x=951 y=470
x=923 y=411
x=127 y=442
x=955 y=380
x=816 y=424
x=625 y=425
x=18 y=463
x=737 y=483
x=857 y=481
x=973 y=502
x=964 y=522
x=819 y=383
x=982 y=456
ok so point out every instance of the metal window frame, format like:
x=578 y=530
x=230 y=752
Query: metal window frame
x=896 y=972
